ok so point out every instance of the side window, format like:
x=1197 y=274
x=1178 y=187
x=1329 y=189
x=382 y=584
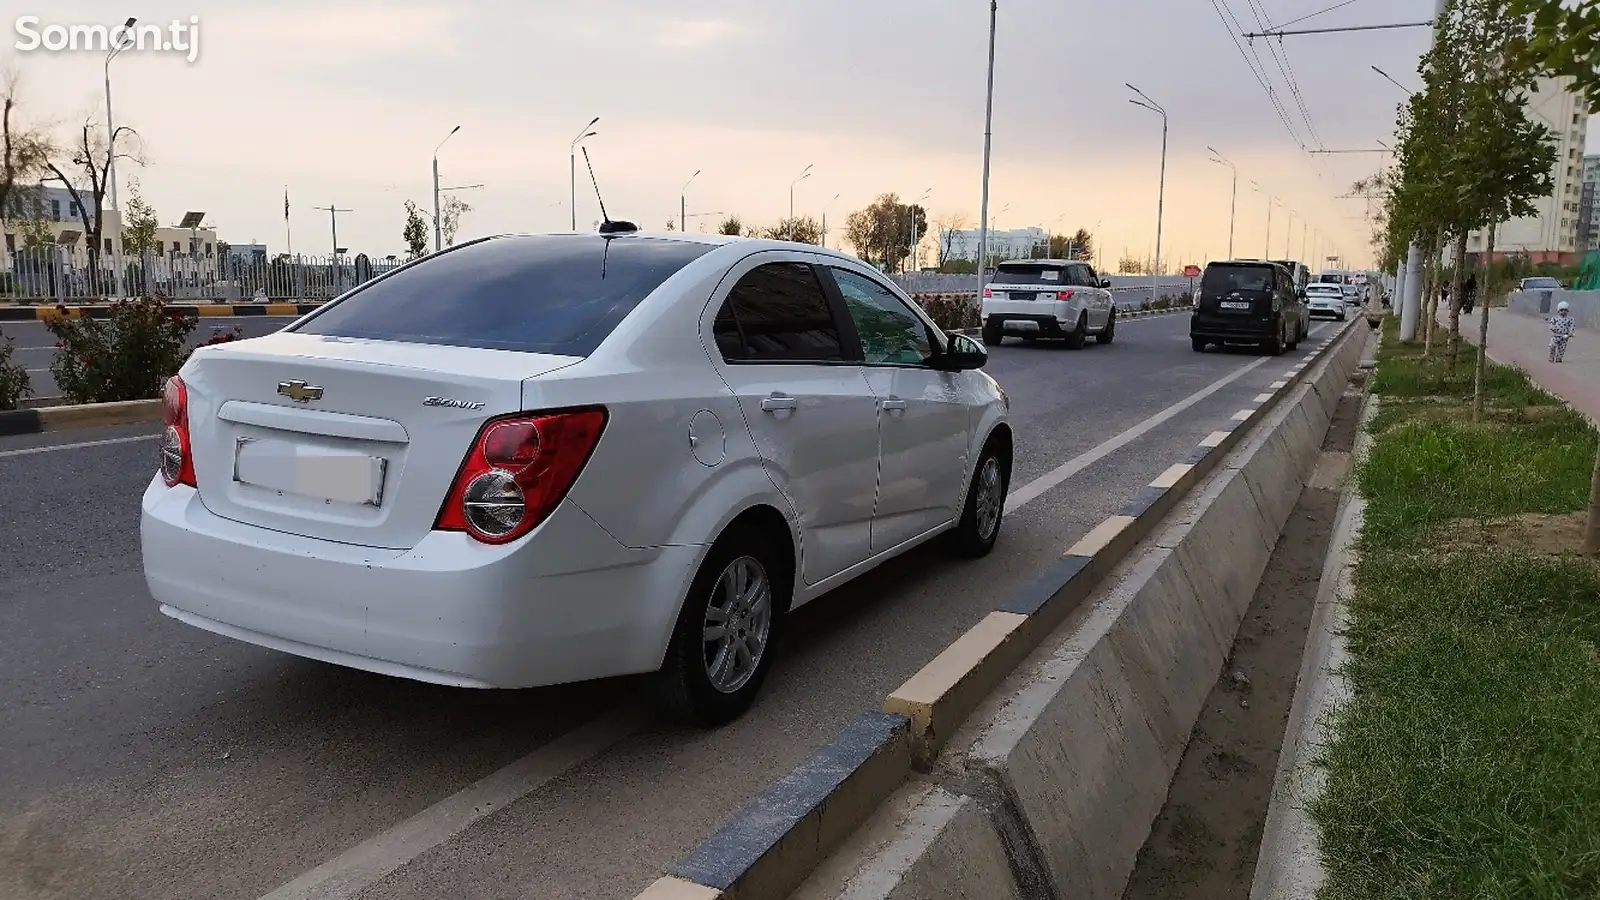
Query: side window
x=890 y=333
x=1083 y=276
x=778 y=313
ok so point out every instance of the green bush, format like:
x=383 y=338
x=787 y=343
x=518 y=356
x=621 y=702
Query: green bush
x=14 y=385
x=951 y=312
x=126 y=356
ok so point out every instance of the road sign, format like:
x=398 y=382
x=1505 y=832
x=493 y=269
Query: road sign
x=1191 y=271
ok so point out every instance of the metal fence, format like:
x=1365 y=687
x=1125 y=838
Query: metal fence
x=54 y=274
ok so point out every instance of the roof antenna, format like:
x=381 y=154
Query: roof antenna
x=607 y=226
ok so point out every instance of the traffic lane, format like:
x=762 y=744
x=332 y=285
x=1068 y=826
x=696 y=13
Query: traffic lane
x=34 y=347
x=660 y=793
x=143 y=731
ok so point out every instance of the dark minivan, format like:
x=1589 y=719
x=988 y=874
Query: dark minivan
x=1246 y=302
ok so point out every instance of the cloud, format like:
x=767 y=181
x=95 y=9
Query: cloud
x=696 y=33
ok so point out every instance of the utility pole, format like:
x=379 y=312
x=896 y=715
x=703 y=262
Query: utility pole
x=333 y=221
x=988 y=136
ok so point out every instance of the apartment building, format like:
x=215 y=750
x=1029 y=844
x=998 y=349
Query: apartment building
x=1551 y=233
x=1589 y=205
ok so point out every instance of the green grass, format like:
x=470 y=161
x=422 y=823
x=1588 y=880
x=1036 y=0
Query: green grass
x=1467 y=764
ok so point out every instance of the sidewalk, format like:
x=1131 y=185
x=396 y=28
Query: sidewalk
x=1523 y=341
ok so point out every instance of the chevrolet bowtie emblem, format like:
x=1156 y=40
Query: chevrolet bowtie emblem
x=299 y=391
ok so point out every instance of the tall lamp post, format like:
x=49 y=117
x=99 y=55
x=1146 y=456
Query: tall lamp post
x=572 y=162
x=1270 y=200
x=1161 y=190
x=438 y=234
x=806 y=173
x=825 y=218
x=1233 y=204
x=122 y=43
x=913 y=211
x=683 y=203
x=988 y=136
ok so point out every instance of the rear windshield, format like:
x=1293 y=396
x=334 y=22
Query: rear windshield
x=1225 y=279
x=1542 y=283
x=1329 y=289
x=1025 y=274
x=561 y=294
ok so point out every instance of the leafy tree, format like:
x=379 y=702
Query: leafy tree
x=450 y=213
x=1127 y=265
x=35 y=231
x=950 y=229
x=1564 y=40
x=800 y=229
x=1079 y=245
x=139 y=221
x=415 y=232
x=731 y=226
x=882 y=232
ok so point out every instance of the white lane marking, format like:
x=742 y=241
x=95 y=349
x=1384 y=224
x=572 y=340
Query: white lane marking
x=30 y=349
x=1262 y=398
x=51 y=448
x=361 y=866
x=1243 y=415
x=1033 y=489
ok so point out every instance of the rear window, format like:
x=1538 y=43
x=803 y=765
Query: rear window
x=1226 y=279
x=1541 y=283
x=1010 y=273
x=561 y=294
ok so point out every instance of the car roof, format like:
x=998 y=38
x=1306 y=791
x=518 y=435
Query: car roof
x=1257 y=263
x=1045 y=262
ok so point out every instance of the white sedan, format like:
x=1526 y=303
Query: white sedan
x=530 y=460
x=1326 y=300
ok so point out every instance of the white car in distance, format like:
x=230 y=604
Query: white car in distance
x=1325 y=301
x=529 y=460
x=1048 y=298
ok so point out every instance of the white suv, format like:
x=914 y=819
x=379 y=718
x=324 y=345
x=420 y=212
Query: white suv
x=1048 y=298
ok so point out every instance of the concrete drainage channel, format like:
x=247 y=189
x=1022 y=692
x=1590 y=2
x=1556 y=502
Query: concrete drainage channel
x=1031 y=758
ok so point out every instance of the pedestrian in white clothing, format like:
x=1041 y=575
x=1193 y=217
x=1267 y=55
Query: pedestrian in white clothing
x=1561 y=325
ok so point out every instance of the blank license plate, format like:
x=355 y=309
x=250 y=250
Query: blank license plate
x=1235 y=304
x=327 y=475
x=1022 y=325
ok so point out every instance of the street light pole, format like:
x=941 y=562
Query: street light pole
x=1161 y=190
x=1233 y=203
x=825 y=218
x=988 y=135
x=683 y=203
x=913 y=211
x=122 y=44
x=801 y=177
x=1288 y=235
x=438 y=233
x=572 y=163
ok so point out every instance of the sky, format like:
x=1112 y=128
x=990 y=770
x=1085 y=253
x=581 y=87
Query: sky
x=342 y=102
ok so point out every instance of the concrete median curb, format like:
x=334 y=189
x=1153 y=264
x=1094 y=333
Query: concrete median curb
x=85 y=415
x=1074 y=764
x=201 y=310
x=1288 y=866
x=931 y=705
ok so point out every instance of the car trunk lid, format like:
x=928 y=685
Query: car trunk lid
x=343 y=439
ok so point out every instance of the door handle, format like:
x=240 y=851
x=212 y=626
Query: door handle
x=777 y=403
x=894 y=404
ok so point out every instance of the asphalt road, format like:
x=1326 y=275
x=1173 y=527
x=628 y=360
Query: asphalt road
x=142 y=758
x=33 y=347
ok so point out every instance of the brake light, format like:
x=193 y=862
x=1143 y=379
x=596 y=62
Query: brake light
x=177 y=460
x=519 y=469
x=1063 y=295
x=988 y=293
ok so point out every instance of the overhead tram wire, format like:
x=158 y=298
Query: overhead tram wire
x=1286 y=69
x=1278 y=107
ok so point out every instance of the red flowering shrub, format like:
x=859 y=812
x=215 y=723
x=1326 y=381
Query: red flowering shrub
x=128 y=355
x=14 y=386
x=952 y=312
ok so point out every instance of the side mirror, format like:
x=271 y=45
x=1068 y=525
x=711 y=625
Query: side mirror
x=1105 y=282
x=963 y=354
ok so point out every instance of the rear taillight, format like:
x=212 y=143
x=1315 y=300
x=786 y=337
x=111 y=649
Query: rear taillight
x=1063 y=295
x=988 y=293
x=177 y=458
x=518 y=470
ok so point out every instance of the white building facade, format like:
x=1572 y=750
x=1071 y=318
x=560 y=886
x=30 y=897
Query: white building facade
x=1552 y=231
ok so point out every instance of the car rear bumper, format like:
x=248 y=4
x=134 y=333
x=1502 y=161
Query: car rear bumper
x=1328 y=312
x=567 y=603
x=1232 y=330
x=1046 y=326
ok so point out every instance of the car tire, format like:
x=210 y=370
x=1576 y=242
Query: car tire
x=1294 y=340
x=1274 y=347
x=975 y=534
x=688 y=689
x=1199 y=344
x=1075 y=336
x=993 y=336
x=1109 y=333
